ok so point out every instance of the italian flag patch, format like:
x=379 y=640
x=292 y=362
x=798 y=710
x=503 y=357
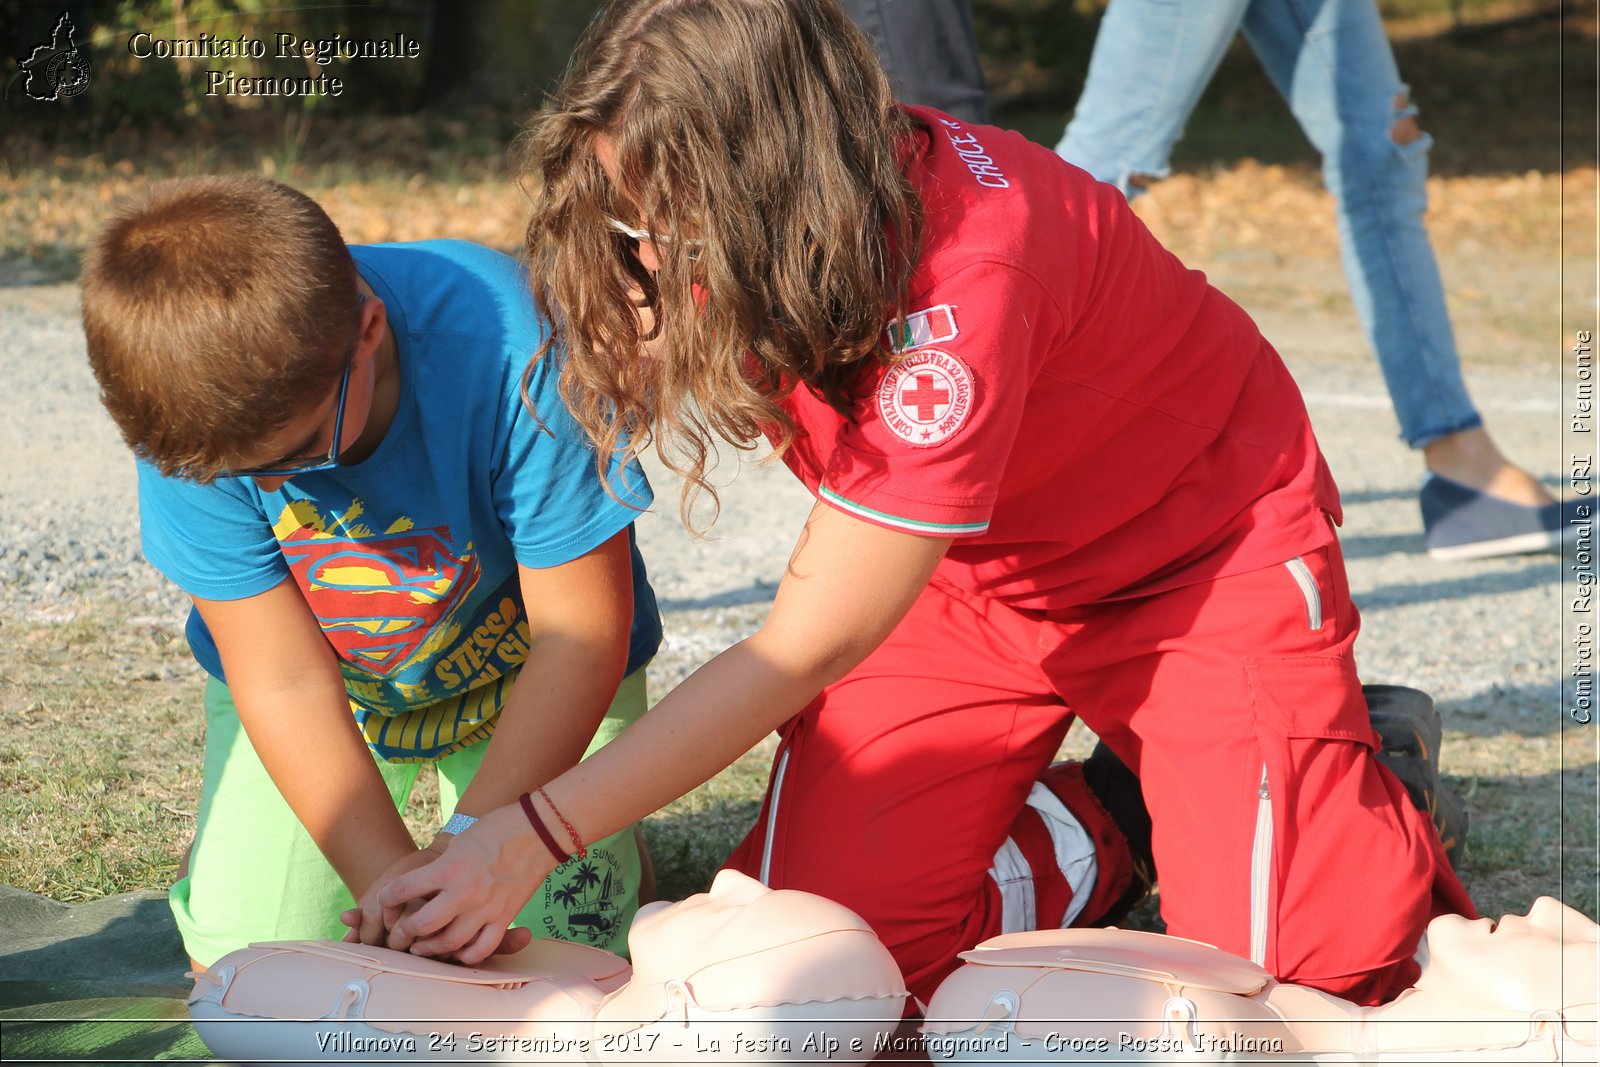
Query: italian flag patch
x=926 y=327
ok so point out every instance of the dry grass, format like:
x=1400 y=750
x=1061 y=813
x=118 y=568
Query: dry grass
x=100 y=749
x=101 y=743
x=100 y=738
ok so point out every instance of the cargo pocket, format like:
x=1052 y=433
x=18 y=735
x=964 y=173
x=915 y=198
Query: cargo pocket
x=1301 y=704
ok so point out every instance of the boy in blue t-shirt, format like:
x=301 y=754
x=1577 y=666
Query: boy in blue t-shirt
x=390 y=554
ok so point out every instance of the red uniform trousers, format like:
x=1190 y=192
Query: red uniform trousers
x=1277 y=835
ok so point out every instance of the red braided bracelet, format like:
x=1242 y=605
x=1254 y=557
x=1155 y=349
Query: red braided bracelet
x=578 y=846
x=526 y=800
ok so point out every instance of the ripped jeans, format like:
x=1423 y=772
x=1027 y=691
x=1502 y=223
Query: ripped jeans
x=1332 y=62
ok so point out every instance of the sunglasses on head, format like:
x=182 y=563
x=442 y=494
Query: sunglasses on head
x=691 y=245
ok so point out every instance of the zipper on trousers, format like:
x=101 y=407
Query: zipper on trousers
x=1261 y=848
x=772 y=818
x=1308 y=588
x=1261 y=873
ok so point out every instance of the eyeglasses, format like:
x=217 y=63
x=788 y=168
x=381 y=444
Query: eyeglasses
x=290 y=466
x=691 y=245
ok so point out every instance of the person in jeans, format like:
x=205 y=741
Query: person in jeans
x=1332 y=61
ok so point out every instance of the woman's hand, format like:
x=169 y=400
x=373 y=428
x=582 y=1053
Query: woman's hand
x=461 y=903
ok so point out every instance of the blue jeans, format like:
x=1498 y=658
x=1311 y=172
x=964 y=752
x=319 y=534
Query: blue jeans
x=1332 y=62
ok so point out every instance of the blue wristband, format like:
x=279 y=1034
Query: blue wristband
x=458 y=822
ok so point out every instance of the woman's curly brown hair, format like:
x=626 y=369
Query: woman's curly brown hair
x=765 y=131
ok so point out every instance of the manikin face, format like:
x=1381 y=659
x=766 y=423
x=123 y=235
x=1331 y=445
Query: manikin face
x=743 y=944
x=1522 y=962
x=689 y=926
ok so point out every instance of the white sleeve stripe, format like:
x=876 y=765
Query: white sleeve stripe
x=945 y=529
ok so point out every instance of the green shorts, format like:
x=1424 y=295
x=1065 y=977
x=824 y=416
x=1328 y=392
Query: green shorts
x=256 y=875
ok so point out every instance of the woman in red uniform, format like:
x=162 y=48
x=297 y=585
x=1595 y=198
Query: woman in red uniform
x=1057 y=475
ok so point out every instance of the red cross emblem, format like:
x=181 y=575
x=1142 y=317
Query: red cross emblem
x=926 y=397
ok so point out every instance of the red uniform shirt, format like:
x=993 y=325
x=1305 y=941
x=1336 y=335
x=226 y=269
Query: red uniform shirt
x=1088 y=417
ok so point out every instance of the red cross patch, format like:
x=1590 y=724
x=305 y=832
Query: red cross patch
x=926 y=397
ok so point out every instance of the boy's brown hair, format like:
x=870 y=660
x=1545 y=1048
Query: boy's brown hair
x=214 y=308
x=763 y=130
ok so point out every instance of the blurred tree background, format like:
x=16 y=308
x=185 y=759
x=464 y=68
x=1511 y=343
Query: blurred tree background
x=1501 y=83
x=491 y=60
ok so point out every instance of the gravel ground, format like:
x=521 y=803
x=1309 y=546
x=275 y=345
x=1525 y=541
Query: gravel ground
x=69 y=539
x=70 y=533
x=1484 y=637
x=1475 y=634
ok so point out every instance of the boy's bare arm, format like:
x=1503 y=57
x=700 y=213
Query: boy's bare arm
x=579 y=615
x=292 y=702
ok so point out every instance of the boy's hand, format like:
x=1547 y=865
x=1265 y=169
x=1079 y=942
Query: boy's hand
x=369 y=921
x=461 y=904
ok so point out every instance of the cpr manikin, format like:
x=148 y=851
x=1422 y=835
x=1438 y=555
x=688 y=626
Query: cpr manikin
x=1521 y=990
x=740 y=974
x=746 y=974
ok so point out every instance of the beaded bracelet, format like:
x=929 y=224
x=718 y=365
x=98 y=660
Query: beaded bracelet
x=526 y=800
x=579 y=849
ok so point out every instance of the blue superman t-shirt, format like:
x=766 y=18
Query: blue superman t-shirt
x=409 y=558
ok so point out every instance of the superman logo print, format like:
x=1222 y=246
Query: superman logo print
x=381 y=598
